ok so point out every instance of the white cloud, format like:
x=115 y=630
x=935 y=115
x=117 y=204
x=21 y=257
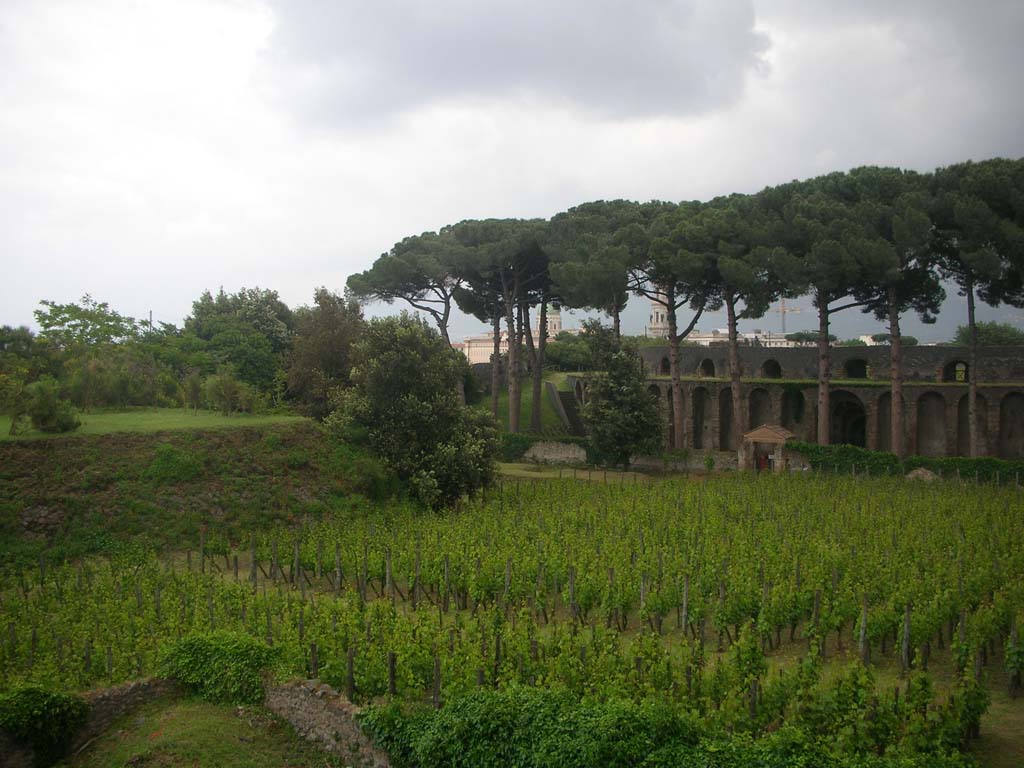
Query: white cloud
x=151 y=150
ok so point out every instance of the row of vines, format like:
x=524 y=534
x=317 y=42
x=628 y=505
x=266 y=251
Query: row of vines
x=678 y=590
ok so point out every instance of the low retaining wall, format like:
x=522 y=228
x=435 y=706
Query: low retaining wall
x=322 y=715
x=556 y=453
x=106 y=705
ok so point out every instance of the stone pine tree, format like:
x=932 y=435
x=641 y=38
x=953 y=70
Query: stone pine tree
x=538 y=290
x=622 y=418
x=589 y=269
x=898 y=273
x=665 y=272
x=480 y=296
x=978 y=214
x=732 y=232
x=821 y=232
x=503 y=254
x=421 y=270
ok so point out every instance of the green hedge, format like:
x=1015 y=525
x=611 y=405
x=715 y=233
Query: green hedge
x=220 y=666
x=848 y=458
x=43 y=720
x=538 y=728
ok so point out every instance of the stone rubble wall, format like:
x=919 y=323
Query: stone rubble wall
x=323 y=715
x=106 y=705
x=556 y=453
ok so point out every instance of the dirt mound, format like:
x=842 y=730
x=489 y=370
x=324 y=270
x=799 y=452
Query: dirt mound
x=922 y=474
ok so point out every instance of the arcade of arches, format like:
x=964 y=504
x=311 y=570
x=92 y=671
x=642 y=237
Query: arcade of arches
x=782 y=390
x=935 y=417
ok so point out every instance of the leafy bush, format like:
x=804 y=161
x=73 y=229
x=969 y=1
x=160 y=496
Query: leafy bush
x=528 y=727
x=542 y=728
x=405 y=408
x=173 y=465
x=845 y=458
x=220 y=666
x=359 y=472
x=513 y=446
x=47 y=410
x=43 y=720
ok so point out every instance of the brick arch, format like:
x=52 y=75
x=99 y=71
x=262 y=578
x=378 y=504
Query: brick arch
x=1011 y=426
x=759 y=406
x=771 y=369
x=848 y=419
x=701 y=405
x=963 y=435
x=931 y=424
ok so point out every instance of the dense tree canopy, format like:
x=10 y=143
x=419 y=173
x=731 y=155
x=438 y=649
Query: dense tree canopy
x=883 y=240
x=403 y=405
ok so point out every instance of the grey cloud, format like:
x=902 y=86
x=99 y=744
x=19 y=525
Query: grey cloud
x=348 y=62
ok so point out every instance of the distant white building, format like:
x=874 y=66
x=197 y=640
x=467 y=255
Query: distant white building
x=478 y=348
x=658 y=328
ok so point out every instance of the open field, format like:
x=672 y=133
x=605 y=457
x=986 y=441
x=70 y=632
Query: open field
x=152 y=420
x=642 y=588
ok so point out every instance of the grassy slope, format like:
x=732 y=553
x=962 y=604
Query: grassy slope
x=550 y=423
x=153 y=420
x=200 y=735
x=78 y=495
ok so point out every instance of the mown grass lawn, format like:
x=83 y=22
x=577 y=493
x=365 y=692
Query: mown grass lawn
x=153 y=420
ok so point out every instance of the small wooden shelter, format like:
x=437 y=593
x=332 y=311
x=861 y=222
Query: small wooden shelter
x=753 y=450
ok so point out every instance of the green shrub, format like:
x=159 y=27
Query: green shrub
x=528 y=727
x=220 y=666
x=47 y=411
x=847 y=458
x=173 y=465
x=43 y=720
x=513 y=446
x=540 y=728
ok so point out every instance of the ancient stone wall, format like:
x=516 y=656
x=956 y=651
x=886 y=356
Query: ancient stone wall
x=322 y=715
x=920 y=363
x=556 y=453
x=106 y=705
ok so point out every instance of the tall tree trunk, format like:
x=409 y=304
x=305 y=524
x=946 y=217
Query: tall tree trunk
x=513 y=360
x=678 y=440
x=516 y=404
x=538 y=368
x=535 y=349
x=972 y=375
x=824 y=371
x=617 y=322
x=496 y=364
x=738 y=411
x=896 y=375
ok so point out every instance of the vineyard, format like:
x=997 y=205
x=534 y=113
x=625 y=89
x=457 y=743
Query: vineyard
x=746 y=602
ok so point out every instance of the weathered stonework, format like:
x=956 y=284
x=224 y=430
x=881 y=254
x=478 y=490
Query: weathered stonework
x=322 y=715
x=934 y=397
x=106 y=705
x=556 y=453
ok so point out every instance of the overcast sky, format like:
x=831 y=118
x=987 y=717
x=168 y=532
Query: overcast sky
x=151 y=150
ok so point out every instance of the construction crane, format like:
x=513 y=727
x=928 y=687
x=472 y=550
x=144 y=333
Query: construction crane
x=783 y=310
